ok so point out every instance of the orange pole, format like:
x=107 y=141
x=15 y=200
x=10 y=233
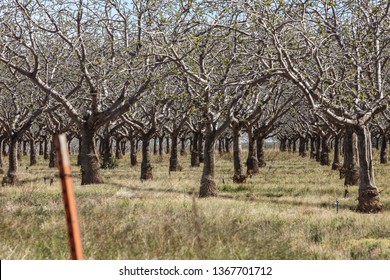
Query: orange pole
x=69 y=198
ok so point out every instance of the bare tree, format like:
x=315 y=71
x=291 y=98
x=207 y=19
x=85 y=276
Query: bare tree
x=21 y=104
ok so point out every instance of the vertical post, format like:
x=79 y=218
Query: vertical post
x=69 y=198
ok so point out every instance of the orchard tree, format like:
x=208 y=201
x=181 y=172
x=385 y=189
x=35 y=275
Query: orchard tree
x=21 y=103
x=146 y=118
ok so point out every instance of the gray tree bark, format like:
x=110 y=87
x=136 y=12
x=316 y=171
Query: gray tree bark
x=208 y=187
x=252 y=164
x=368 y=192
x=238 y=176
x=46 y=149
x=33 y=153
x=200 y=148
x=183 y=149
x=133 y=152
x=383 y=152
x=106 y=150
x=161 y=146
x=194 y=151
x=155 y=146
x=53 y=154
x=318 y=148
x=146 y=166
x=12 y=173
x=325 y=151
x=90 y=166
x=118 y=148
x=1 y=155
x=351 y=165
x=302 y=146
x=174 y=164
x=260 y=151
x=336 y=158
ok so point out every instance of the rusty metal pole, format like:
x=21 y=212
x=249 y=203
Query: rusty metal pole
x=69 y=198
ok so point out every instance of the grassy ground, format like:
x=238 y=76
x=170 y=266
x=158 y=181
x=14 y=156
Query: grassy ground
x=286 y=212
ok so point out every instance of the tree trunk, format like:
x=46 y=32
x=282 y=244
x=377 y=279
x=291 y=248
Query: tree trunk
x=46 y=150
x=377 y=143
x=155 y=150
x=325 y=150
x=383 y=152
x=318 y=148
x=19 y=152
x=369 y=201
x=123 y=147
x=194 y=151
x=220 y=146
x=294 y=145
x=200 y=148
x=312 y=148
x=350 y=167
x=168 y=150
x=252 y=165
x=12 y=174
x=283 y=146
x=1 y=156
x=174 y=164
x=146 y=166
x=40 y=148
x=208 y=187
x=105 y=145
x=90 y=166
x=133 y=153
x=336 y=159
x=53 y=154
x=227 y=145
x=118 y=149
x=24 y=148
x=4 y=150
x=183 y=150
x=33 y=153
x=79 y=153
x=238 y=176
x=161 y=147
x=302 y=146
x=70 y=145
x=289 y=145
x=260 y=151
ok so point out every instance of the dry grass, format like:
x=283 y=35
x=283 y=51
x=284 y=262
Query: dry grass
x=286 y=212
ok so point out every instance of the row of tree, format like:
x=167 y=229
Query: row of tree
x=133 y=67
